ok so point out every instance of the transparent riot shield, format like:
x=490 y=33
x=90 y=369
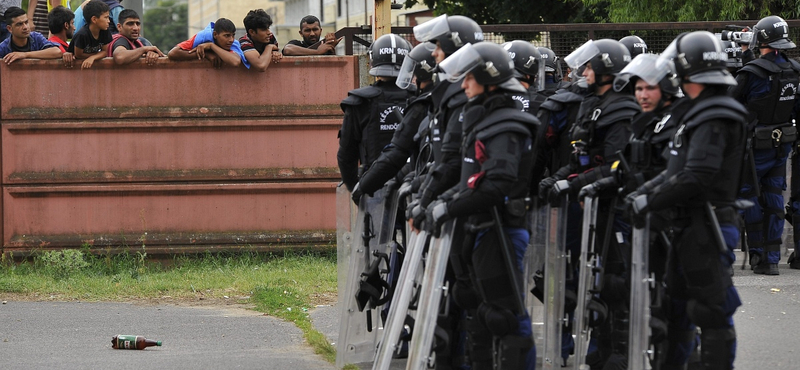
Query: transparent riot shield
x=432 y=291
x=641 y=282
x=395 y=320
x=587 y=266
x=534 y=267
x=358 y=336
x=554 y=283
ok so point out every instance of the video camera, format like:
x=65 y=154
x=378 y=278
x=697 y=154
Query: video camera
x=734 y=33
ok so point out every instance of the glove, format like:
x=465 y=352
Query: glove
x=640 y=208
x=559 y=189
x=588 y=191
x=356 y=194
x=435 y=216
x=628 y=200
x=544 y=187
x=391 y=185
x=416 y=213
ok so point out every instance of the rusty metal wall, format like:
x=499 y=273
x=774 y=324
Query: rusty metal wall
x=178 y=157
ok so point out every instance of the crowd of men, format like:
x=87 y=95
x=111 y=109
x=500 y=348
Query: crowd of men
x=103 y=28
x=675 y=154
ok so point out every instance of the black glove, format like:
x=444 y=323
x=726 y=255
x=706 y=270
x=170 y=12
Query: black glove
x=628 y=200
x=435 y=216
x=416 y=213
x=356 y=194
x=391 y=185
x=588 y=191
x=544 y=187
x=639 y=208
x=557 y=191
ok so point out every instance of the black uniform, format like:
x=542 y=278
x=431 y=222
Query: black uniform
x=370 y=119
x=705 y=157
x=496 y=158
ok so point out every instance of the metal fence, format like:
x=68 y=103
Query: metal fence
x=564 y=38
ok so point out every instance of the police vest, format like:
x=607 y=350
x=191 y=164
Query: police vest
x=595 y=117
x=556 y=138
x=384 y=105
x=651 y=133
x=448 y=98
x=725 y=186
x=482 y=127
x=776 y=106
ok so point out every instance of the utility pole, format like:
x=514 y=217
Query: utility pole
x=382 y=16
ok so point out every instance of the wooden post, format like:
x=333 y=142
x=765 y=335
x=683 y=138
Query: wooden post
x=383 y=18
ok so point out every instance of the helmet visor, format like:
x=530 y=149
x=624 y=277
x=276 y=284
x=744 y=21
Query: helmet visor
x=460 y=63
x=432 y=29
x=581 y=55
x=643 y=67
x=669 y=54
x=539 y=82
x=406 y=73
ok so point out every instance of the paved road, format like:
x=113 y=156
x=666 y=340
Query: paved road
x=73 y=335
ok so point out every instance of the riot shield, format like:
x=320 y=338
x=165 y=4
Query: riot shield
x=533 y=270
x=586 y=272
x=641 y=282
x=358 y=319
x=554 y=282
x=432 y=291
x=398 y=310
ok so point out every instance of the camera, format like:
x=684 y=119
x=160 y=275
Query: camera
x=740 y=37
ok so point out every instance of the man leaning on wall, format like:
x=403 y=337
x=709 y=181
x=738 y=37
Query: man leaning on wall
x=311 y=30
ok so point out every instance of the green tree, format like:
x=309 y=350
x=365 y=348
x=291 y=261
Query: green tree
x=520 y=11
x=166 y=23
x=695 y=10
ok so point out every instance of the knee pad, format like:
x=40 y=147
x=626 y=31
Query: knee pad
x=705 y=316
x=717 y=347
x=615 y=289
x=464 y=296
x=499 y=321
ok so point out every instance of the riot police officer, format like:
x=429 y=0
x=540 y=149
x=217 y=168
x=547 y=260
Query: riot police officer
x=553 y=77
x=767 y=86
x=497 y=154
x=419 y=64
x=699 y=187
x=369 y=119
x=530 y=67
x=598 y=137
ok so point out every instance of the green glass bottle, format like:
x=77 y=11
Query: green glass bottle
x=132 y=342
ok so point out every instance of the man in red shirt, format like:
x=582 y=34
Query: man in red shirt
x=62 y=26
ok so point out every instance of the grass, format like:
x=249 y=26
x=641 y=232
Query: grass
x=281 y=285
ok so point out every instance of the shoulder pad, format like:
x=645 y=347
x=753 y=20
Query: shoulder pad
x=761 y=68
x=723 y=108
x=551 y=105
x=358 y=96
x=564 y=96
x=622 y=108
x=507 y=120
x=422 y=98
x=795 y=65
x=367 y=92
x=457 y=100
x=451 y=90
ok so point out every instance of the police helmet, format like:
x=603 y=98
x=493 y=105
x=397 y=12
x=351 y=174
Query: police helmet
x=419 y=62
x=386 y=55
x=525 y=56
x=773 y=31
x=606 y=56
x=635 y=45
x=551 y=64
x=698 y=57
x=452 y=32
x=488 y=62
